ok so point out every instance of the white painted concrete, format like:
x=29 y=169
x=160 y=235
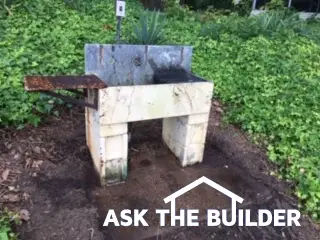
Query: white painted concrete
x=113 y=129
x=195 y=119
x=92 y=131
x=116 y=147
x=185 y=138
x=145 y=102
x=175 y=130
x=184 y=108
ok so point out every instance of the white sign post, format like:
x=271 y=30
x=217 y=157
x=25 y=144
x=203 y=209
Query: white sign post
x=121 y=8
x=120 y=13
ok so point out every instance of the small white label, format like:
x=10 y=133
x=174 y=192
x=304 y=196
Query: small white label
x=121 y=8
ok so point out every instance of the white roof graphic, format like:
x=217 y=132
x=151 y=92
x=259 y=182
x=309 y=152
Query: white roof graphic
x=197 y=183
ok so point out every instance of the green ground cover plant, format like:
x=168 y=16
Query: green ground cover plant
x=267 y=77
x=47 y=37
x=269 y=24
x=271 y=87
x=7 y=218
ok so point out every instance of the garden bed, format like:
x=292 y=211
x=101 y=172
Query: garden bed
x=268 y=79
x=58 y=188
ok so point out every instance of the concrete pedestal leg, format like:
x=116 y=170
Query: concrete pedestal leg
x=114 y=152
x=185 y=136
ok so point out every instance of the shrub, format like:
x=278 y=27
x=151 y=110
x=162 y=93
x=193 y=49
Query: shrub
x=213 y=30
x=267 y=24
x=275 y=5
x=244 y=7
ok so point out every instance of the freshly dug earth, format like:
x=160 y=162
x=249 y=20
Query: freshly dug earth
x=52 y=177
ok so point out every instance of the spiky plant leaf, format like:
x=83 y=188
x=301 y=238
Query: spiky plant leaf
x=153 y=26
x=149 y=28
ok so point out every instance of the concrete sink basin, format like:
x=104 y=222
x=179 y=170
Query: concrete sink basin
x=133 y=95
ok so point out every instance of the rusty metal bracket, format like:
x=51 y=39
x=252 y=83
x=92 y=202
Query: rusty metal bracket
x=45 y=85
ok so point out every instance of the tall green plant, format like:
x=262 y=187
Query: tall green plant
x=213 y=30
x=149 y=29
x=267 y=24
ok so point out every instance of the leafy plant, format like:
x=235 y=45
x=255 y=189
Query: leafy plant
x=170 y=3
x=267 y=24
x=80 y=5
x=180 y=13
x=211 y=14
x=5 y=7
x=213 y=31
x=243 y=7
x=7 y=219
x=149 y=29
x=275 y=5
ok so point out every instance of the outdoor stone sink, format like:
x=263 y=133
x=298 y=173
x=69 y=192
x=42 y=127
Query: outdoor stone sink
x=132 y=95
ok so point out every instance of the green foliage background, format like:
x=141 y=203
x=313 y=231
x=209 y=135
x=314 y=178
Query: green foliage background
x=8 y=218
x=268 y=78
x=48 y=37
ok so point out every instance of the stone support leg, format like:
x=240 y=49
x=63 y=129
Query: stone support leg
x=114 y=153
x=185 y=136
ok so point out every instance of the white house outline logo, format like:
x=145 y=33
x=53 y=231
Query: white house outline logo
x=189 y=217
x=172 y=198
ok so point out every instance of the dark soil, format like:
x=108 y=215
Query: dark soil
x=53 y=178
